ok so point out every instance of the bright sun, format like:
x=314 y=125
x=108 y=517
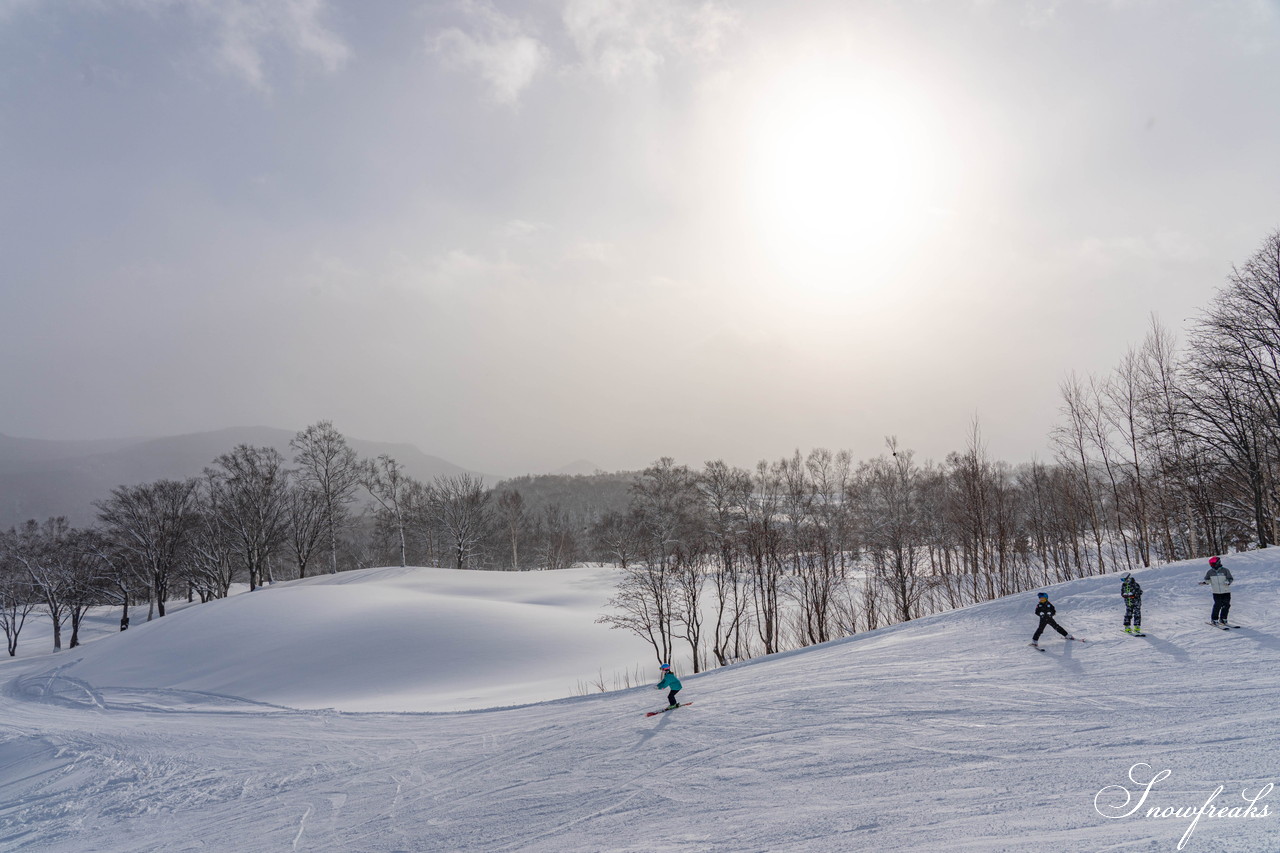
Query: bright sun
x=841 y=169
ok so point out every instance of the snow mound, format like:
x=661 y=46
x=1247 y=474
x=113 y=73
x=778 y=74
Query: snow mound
x=389 y=639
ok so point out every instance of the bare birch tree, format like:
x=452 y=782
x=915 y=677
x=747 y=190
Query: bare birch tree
x=17 y=596
x=763 y=542
x=726 y=493
x=44 y=552
x=154 y=522
x=892 y=526
x=248 y=490
x=461 y=506
x=305 y=513
x=386 y=482
x=514 y=521
x=328 y=466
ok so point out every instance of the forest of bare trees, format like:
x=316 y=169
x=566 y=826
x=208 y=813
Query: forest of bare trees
x=1174 y=454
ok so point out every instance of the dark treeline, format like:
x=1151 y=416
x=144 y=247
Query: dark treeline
x=1172 y=455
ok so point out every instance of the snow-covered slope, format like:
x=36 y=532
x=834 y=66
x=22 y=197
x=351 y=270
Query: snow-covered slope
x=392 y=639
x=945 y=733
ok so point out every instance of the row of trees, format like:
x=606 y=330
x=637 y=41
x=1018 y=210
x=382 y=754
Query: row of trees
x=726 y=563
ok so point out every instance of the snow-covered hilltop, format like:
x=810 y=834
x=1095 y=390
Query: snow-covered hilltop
x=944 y=732
x=390 y=639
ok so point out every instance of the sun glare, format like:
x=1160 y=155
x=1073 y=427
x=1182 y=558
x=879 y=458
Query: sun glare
x=840 y=169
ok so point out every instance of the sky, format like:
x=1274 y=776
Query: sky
x=521 y=234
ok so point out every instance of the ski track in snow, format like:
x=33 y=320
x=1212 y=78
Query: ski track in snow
x=945 y=732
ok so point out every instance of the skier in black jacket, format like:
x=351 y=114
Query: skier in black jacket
x=1045 y=611
x=1131 y=591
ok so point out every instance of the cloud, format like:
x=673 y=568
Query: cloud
x=245 y=30
x=610 y=39
x=519 y=229
x=615 y=38
x=495 y=46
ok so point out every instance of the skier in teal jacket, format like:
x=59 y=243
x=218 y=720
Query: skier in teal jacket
x=670 y=682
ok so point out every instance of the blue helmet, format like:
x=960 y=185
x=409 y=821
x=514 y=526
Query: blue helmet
x=665 y=666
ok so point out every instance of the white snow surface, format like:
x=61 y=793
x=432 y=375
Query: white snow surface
x=392 y=639
x=305 y=717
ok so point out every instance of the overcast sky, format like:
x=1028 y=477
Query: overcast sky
x=519 y=234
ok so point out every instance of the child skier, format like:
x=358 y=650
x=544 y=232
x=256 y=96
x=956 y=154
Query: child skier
x=1219 y=580
x=1045 y=610
x=1132 y=594
x=670 y=682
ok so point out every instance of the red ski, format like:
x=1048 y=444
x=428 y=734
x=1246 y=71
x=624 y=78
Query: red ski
x=669 y=708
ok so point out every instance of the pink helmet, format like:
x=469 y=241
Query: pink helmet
x=1214 y=561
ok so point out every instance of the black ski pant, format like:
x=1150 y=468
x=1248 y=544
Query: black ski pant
x=671 y=697
x=1221 y=604
x=1047 y=621
x=1133 y=612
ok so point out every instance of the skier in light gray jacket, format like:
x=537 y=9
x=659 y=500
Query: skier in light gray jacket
x=1219 y=580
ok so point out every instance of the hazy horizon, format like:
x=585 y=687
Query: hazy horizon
x=516 y=235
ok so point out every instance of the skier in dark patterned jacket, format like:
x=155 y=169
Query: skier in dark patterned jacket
x=1045 y=610
x=1131 y=591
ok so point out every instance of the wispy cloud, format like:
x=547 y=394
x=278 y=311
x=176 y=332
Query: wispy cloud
x=610 y=39
x=495 y=46
x=240 y=33
x=244 y=31
x=520 y=229
x=614 y=38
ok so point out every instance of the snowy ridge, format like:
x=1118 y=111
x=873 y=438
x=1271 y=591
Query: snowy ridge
x=947 y=731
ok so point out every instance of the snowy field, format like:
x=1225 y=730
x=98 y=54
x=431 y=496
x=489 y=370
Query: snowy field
x=307 y=717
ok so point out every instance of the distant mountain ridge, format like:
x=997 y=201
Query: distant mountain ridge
x=579 y=466
x=40 y=478
x=18 y=453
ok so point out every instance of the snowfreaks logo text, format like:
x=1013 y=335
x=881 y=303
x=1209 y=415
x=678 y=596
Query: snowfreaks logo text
x=1107 y=802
